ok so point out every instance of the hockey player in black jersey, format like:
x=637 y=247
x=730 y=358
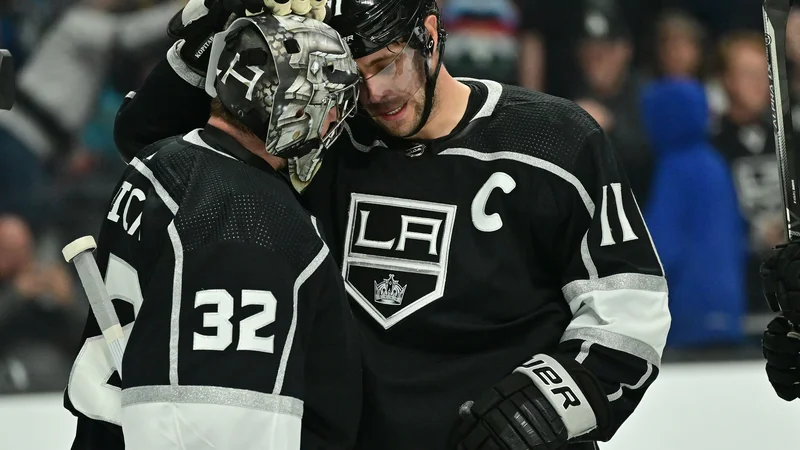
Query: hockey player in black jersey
x=781 y=344
x=243 y=337
x=488 y=236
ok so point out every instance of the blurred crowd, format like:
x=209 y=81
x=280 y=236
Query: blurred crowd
x=680 y=87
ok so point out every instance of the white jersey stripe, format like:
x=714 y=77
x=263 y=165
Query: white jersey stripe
x=162 y=193
x=287 y=347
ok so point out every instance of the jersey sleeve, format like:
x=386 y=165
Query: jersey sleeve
x=165 y=105
x=613 y=281
x=217 y=358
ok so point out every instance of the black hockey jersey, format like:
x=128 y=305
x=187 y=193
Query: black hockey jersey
x=243 y=337
x=516 y=235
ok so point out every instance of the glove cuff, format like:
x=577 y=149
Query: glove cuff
x=593 y=391
x=573 y=392
x=182 y=69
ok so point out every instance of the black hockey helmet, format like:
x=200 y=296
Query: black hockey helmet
x=368 y=26
x=282 y=77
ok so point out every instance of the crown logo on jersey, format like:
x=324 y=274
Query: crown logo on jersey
x=389 y=291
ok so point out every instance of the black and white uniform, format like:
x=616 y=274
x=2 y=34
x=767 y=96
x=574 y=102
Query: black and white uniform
x=516 y=235
x=239 y=332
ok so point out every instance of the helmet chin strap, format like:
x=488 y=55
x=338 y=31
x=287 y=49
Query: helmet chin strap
x=430 y=83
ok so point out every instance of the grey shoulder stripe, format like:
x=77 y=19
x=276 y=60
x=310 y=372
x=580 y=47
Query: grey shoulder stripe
x=615 y=341
x=637 y=281
x=586 y=256
x=162 y=193
x=533 y=162
x=214 y=395
x=495 y=91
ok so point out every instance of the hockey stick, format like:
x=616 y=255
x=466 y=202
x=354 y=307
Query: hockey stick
x=776 y=19
x=79 y=252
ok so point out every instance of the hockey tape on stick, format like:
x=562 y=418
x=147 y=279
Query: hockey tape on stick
x=79 y=252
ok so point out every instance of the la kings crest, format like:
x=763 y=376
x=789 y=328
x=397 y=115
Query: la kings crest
x=396 y=254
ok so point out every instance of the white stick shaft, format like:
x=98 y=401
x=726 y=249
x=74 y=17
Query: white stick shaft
x=102 y=306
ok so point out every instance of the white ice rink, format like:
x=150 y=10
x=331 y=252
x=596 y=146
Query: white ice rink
x=719 y=406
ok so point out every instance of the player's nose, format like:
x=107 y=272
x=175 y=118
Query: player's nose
x=372 y=91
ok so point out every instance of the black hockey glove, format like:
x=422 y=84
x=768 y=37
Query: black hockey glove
x=545 y=404
x=198 y=22
x=782 y=351
x=780 y=274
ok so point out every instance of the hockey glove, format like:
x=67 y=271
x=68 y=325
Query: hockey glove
x=197 y=23
x=783 y=359
x=543 y=405
x=781 y=276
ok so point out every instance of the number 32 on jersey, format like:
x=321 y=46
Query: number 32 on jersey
x=89 y=389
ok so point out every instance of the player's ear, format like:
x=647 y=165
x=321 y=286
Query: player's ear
x=432 y=27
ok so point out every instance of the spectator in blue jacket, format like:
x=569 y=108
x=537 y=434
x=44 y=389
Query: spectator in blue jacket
x=694 y=218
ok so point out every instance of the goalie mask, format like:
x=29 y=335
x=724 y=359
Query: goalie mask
x=282 y=77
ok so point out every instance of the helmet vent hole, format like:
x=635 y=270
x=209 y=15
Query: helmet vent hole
x=299 y=113
x=292 y=46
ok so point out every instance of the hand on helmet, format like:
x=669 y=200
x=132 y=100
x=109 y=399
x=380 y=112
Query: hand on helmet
x=315 y=9
x=197 y=23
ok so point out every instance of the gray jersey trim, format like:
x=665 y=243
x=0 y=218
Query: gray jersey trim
x=495 y=92
x=591 y=269
x=359 y=146
x=194 y=138
x=618 y=394
x=287 y=346
x=239 y=398
x=615 y=341
x=162 y=193
x=177 y=293
x=638 y=281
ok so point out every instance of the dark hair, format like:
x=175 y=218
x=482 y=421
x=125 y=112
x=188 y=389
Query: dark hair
x=219 y=111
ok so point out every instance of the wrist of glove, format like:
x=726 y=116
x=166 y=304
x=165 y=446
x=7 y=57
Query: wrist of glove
x=198 y=22
x=544 y=404
x=780 y=274
x=782 y=350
